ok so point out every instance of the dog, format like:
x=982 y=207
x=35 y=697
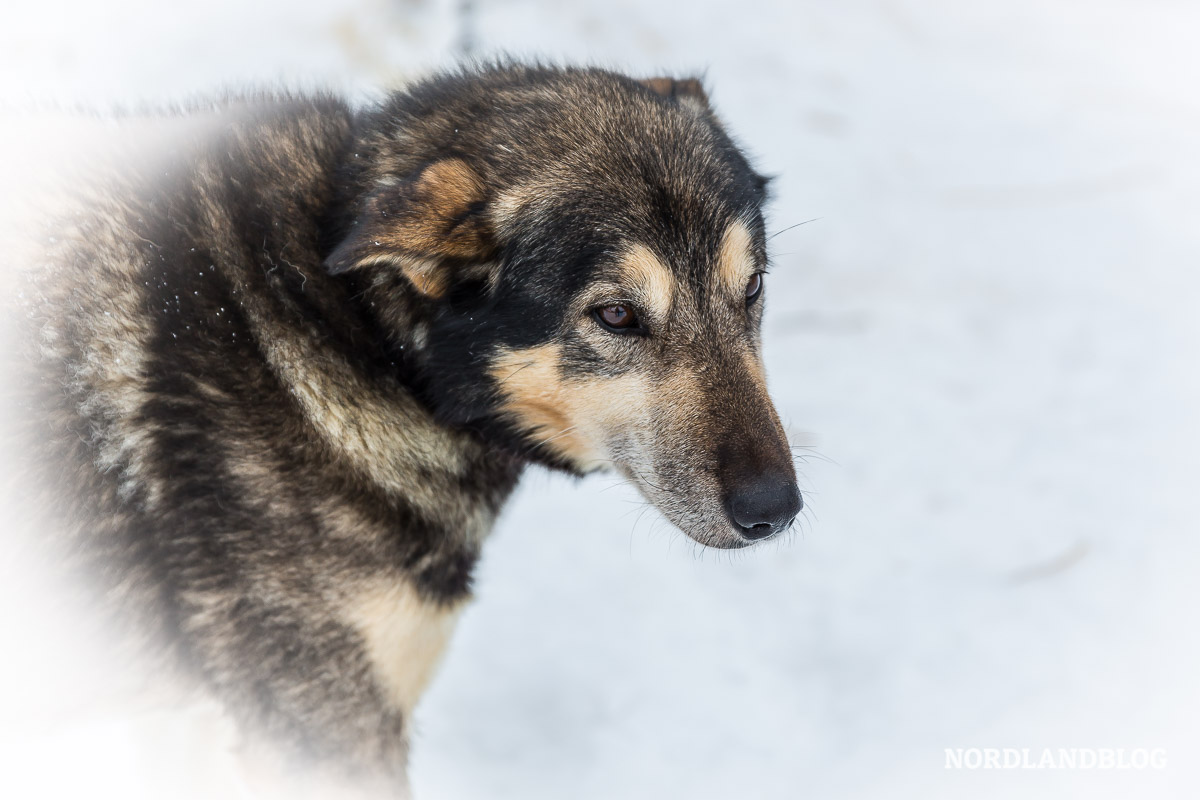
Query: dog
x=284 y=371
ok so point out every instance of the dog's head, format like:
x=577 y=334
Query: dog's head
x=574 y=261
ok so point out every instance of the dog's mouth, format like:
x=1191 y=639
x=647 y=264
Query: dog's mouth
x=724 y=518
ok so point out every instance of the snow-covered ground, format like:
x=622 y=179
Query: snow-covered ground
x=988 y=335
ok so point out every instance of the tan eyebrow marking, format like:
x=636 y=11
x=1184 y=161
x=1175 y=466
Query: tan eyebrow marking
x=735 y=261
x=644 y=271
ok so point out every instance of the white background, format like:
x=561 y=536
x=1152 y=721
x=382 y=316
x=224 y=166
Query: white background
x=989 y=337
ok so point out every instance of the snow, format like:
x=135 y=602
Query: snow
x=988 y=336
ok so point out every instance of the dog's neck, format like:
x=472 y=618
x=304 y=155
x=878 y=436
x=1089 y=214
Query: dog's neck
x=346 y=351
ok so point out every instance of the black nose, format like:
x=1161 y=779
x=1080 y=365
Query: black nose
x=764 y=507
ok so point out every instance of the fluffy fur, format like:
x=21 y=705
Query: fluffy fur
x=287 y=369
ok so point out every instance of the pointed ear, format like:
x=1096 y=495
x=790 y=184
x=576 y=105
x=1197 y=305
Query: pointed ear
x=425 y=226
x=688 y=91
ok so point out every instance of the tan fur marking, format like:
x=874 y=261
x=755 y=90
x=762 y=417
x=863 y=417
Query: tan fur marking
x=426 y=276
x=572 y=418
x=416 y=240
x=405 y=637
x=653 y=280
x=537 y=398
x=735 y=263
x=445 y=190
x=416 y=229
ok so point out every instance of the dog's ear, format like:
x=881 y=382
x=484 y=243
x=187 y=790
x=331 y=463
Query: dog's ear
x=425 y=226
x=687 y=91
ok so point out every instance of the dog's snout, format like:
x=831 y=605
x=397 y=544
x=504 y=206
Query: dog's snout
x=763 y=507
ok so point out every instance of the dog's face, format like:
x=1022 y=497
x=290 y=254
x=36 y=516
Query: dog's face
x=588 y=268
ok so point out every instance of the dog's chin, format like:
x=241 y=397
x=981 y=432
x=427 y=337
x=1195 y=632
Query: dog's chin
x=713 y=530
x=718 y=537
x=720 y=541
x=693 y=513
x=716 y=532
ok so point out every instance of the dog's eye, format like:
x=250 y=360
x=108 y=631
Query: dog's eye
x=618 y=318
x=754 y=288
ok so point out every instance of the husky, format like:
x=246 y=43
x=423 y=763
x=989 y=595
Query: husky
x=283 y=373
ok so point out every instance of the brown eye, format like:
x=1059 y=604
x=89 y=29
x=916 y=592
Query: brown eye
x=618 y=317
x=754 y=288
